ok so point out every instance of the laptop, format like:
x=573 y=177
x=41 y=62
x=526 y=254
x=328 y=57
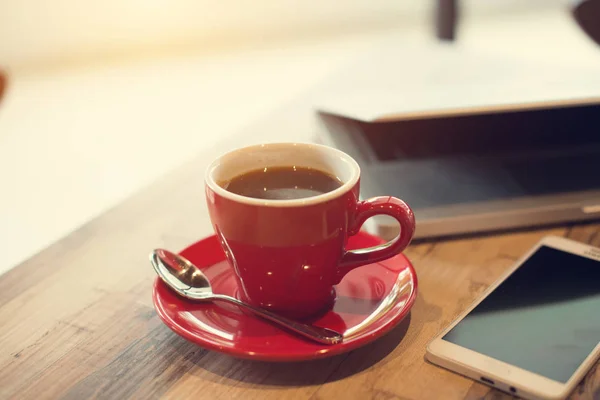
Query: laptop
x=473 y=141
x=480 y=169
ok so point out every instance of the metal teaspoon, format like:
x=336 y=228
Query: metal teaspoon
x=188 y=281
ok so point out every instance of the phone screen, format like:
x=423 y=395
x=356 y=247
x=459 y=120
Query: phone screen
x=544 y=318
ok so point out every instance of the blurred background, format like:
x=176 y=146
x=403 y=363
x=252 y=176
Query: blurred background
x=99 y=91
x=37 y=35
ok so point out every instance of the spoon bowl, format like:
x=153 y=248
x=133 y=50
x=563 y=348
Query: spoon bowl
x=181 y=275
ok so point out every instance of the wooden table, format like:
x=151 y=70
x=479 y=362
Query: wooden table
x=76 y=320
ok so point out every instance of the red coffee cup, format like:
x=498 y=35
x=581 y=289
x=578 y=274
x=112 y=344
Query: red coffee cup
x=288 y=254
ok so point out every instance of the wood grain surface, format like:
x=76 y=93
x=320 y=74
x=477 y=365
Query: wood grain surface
x=76 y=320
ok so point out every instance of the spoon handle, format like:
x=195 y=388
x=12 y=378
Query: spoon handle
x=318 y=334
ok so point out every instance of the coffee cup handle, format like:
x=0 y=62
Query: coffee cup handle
x=384 y=205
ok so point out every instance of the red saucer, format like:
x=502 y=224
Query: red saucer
x=371 y=300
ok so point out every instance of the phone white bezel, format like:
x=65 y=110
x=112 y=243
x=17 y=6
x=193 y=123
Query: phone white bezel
x=505 y=376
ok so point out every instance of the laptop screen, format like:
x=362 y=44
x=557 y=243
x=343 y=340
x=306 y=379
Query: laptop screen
x=511 y=133
x=476 y=158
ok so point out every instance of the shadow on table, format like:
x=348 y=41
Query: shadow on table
x=304 y=372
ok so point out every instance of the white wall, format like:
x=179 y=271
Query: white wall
x=35 y=33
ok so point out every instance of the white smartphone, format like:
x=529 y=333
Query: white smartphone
x=535 y=332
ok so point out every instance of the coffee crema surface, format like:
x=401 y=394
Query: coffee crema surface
x=282 y=183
